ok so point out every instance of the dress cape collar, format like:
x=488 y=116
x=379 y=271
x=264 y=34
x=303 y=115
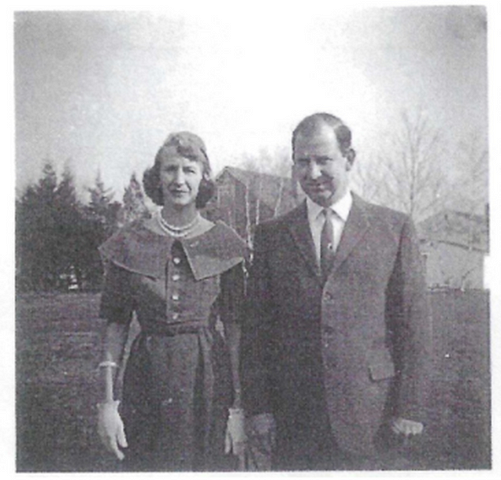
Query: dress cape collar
x=138 y=249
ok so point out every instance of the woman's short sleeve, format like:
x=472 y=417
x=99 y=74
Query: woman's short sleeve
x=117 y=302
x=232 y=297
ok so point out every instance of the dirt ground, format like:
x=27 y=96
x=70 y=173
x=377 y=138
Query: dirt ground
x=58 y=345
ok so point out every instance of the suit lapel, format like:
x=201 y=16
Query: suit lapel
x=301 y=233
x=356 y=226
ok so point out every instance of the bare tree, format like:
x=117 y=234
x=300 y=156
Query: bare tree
x=263 y=163
x=409 y=171
x=248 y=224
x=470 y=180
x=367 y=180
x=277 y=162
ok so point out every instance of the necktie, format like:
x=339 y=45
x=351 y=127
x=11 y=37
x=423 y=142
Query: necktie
x=327 y=243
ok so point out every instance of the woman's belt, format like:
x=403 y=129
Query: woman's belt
x=173 y=329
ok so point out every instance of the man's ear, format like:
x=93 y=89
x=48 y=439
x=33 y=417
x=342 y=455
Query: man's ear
x=350 y=157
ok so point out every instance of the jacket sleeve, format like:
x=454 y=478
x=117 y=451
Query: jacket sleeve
x=255 y=341
x=231 y=300
x=409 y=321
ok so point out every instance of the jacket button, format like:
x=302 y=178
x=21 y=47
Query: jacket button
x=328 y=296
x=175 y=277
x=176 y=260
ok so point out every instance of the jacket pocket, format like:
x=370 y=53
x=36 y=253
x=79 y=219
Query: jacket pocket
x=381 y=371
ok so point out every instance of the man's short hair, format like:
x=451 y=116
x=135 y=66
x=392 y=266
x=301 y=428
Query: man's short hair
x=312 y=123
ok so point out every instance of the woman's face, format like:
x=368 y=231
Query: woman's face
x=180 y=179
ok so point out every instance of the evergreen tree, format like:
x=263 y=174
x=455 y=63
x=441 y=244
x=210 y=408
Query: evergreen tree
x=134 y=206
x=101 y=208
x=54 y=236
x=36 y=233
x=68 y=216
x=102 y=216
x=57 y=237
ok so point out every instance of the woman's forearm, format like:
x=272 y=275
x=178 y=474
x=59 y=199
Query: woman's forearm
x=113 y=348
x=232 y=334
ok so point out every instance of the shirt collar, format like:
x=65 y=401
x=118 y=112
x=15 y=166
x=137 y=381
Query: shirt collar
x=342 y=207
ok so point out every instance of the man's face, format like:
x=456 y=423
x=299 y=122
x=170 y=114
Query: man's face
x=320 y=167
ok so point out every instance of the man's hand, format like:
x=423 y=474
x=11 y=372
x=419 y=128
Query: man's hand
x=401 y=426
x=261 y=438
x=110 y=428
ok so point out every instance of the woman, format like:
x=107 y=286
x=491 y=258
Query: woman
x=183 y=276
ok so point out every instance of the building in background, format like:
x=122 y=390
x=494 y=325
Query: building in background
x=455 y=246
x=245 y=198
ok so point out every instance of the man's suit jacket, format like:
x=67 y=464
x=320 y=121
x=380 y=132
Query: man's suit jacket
x=357 y=345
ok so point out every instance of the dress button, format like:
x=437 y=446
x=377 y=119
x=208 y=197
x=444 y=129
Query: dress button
x=175 y=316
x=176 y=260
x=175 y=277
x=175 y=296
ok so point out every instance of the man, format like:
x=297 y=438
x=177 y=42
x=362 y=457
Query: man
x=337 y=341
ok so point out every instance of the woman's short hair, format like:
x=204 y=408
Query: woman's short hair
x=311 y=124
x=187 y=145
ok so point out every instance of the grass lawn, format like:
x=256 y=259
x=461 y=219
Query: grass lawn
x=58 y=345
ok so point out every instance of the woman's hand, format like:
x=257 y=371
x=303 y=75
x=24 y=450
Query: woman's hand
x=235 y=435
x=111 y=428
x=401 y=426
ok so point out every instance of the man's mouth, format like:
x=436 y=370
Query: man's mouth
x=316 y=187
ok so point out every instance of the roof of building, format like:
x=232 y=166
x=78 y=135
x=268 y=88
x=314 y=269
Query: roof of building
x=466 y=230
x=270 y=189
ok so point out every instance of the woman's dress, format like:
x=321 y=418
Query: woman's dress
x=177 y=385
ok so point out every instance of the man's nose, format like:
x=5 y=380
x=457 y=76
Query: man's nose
x=314 y=170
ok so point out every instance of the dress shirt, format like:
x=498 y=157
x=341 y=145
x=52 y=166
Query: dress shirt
x=316 y=219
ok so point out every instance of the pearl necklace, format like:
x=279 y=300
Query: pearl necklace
x=178 y=232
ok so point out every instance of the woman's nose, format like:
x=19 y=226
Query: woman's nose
x=179 y=177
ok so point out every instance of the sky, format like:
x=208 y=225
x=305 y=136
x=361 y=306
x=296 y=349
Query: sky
x=101 y=90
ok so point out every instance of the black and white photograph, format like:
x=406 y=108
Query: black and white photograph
x=253 y=237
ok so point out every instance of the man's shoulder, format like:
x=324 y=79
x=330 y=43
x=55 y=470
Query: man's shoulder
x=281 y=221
x=269 y=234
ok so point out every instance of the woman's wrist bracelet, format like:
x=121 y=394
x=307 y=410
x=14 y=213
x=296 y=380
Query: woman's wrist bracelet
x=107 y=363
